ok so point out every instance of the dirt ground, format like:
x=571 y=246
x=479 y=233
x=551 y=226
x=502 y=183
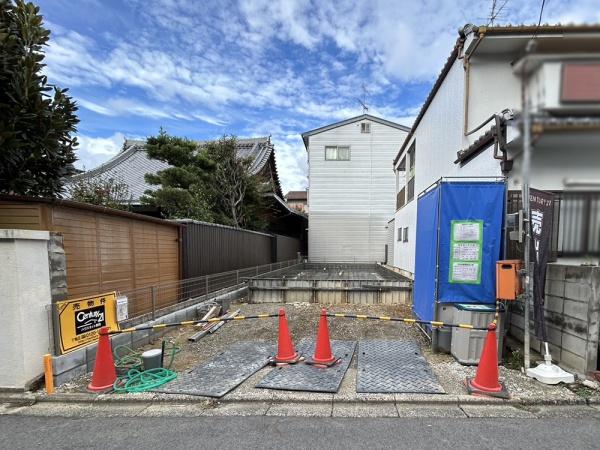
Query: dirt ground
x=303 y=319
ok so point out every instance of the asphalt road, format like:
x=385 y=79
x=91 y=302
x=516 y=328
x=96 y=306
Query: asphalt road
x=296 y=432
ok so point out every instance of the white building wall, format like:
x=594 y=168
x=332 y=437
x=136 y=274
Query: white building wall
x=439 y=136
x=24 y=327
x=493 y=87
x=350 y=201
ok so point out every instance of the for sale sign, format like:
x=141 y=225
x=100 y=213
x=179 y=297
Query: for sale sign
x=81 y=319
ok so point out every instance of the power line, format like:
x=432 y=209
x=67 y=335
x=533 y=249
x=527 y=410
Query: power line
x=539 y=20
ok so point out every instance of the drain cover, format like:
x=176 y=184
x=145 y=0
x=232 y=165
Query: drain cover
x=394 y=367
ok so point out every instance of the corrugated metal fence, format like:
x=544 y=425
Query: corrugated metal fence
x=211 y=248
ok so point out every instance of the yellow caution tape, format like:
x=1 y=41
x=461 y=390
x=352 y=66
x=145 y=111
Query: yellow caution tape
x=409 y=320
x=361 y=316
x=339 y=315
x=385 y=318
x=436 y=324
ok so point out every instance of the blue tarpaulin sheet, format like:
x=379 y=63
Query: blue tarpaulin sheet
x=426 y=254
x=447 y=202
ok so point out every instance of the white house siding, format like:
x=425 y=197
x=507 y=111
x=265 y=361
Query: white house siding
x=438 y=138
x=350 y=201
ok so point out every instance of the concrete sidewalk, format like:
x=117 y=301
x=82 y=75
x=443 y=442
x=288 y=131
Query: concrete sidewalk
x=295 y=409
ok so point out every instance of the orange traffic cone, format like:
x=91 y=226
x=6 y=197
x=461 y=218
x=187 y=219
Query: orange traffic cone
x=323 y=355
x=486 y=380
x=286 y=353
x=104 y=374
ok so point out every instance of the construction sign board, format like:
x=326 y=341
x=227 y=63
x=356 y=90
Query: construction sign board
x=465 y=251
x=81 y=319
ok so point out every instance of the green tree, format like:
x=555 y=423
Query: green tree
x=208 y=182
x=109 y=192
x=36 y=119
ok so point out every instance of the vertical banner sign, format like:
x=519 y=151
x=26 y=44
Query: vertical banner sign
x=542 y=213
x=81 y=319
x=466 y=238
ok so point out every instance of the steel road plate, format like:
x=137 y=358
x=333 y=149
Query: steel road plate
x=222 y=373
x=306 y=377
x=394 y=367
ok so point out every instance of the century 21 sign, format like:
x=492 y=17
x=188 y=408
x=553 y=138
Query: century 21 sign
x=81 y=319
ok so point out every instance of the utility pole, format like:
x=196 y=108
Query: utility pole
x=526 y=207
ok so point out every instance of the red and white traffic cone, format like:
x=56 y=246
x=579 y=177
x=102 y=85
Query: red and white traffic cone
x=104 y=374
x=323 y=355
x=486 y=380
x=286 y=353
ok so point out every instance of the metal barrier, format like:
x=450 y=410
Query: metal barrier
x=149 y=300
x=433 y=323
x=191 y=322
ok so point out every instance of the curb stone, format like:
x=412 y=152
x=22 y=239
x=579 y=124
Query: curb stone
x=153 y=399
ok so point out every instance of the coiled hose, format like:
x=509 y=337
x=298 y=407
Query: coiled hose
x=136 y=380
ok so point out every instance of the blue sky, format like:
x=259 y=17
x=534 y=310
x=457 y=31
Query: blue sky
x=202 y=69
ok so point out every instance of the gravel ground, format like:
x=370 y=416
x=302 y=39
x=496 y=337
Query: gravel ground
x=302 y=320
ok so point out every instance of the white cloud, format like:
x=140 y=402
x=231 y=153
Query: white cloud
x=263 y=67
x=93 y=151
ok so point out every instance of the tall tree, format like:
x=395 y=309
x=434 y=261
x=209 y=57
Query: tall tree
x=36 y=119
x=208 y=182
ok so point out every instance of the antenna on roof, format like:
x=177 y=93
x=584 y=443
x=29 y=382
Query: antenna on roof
x=496 y=11
x=363 y=102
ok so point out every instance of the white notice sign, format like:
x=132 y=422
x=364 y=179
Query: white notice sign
x=465 y=272
x=465 y=251
x=466 y=231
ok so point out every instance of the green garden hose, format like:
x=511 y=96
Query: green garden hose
x=135 y=380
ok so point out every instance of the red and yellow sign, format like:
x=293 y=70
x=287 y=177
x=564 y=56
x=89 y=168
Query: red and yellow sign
x=81 y=319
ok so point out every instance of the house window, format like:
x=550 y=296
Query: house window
x=405 y=235
x=411 y=173
x=365 y=127
x=337 y=153
x=399 y=234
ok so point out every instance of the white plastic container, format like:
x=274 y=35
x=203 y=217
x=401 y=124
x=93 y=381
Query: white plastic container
x=467 y=344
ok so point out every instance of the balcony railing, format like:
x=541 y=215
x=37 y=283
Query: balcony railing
x=401 y=198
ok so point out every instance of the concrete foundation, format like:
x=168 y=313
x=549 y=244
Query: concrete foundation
x=332 y=283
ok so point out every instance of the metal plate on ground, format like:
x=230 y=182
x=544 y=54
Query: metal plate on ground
x=306 y=377
x=394 y=367
x=222 y=373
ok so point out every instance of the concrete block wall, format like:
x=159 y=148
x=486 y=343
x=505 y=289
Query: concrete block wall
x=79 y=362
x=572 y=316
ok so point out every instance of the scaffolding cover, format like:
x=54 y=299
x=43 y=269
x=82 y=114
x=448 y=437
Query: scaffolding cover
x=426 y=254
x=462 y=258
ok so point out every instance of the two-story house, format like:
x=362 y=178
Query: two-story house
x=351 y=188
x=471 y=126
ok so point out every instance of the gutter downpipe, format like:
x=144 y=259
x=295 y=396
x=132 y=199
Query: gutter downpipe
x=467 y=68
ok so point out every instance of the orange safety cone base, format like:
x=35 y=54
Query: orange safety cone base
x=473 y=389
x=280 y=361
x=104 y=374
x=332 y=362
